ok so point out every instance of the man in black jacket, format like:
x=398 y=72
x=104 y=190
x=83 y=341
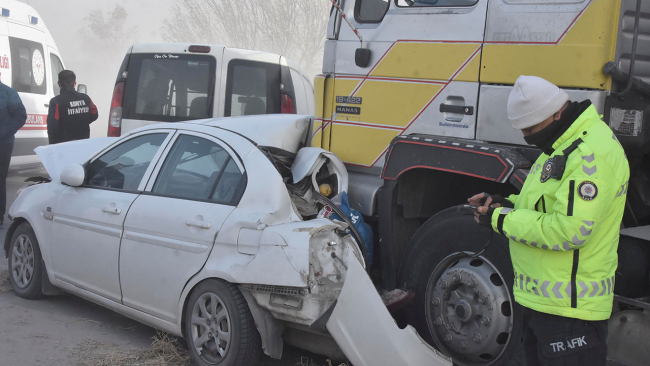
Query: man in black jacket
x=71 y=113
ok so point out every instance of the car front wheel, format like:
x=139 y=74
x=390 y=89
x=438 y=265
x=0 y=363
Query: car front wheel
x=25 y=263
x=219 y=327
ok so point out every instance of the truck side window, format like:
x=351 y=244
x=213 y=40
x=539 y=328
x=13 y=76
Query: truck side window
x=252 y=88
x=422 y=3
x=370 y=11
x=57 y=67
x=28 y=66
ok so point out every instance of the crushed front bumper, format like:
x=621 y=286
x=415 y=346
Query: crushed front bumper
x=364 y=329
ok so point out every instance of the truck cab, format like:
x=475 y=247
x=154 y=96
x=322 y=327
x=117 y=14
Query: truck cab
x=171 y=82
x=413 y=99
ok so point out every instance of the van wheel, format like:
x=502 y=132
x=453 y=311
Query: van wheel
x=25 y=263
x=219 y=327
x=463 y=302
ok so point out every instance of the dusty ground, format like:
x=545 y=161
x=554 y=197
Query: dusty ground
x=68 y=331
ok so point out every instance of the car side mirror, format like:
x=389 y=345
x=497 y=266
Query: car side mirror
x=73 y=175
x=82 y=88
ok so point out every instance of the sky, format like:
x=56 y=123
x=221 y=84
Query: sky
x=65 y=19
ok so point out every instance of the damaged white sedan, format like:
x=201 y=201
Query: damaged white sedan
x=209 y=231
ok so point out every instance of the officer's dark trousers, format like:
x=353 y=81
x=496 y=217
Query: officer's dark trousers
x=559 y=341
x=5 y=158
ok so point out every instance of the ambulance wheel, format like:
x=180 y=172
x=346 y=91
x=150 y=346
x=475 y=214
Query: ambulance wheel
x=463 y=302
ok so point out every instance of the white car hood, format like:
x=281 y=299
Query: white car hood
x=56 y=157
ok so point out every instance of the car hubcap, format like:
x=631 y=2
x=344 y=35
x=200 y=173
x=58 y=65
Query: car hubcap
x=22 y=261
x=211 y=330
x=468 y=309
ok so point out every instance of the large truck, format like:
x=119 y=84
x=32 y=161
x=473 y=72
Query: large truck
x=413 y=99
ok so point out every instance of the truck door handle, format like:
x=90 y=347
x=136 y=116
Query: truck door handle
x=460 y=109
x=46 y=105
x=112 y=210
x=198 y=223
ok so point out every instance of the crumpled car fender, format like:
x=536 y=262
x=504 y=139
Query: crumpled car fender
x=366 y=332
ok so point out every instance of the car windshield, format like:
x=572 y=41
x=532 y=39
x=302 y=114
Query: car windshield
x=169 y=87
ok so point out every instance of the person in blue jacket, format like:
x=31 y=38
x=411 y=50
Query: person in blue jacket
x=12 y=117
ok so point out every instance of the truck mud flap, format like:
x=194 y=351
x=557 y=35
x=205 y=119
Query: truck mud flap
x=365 y=331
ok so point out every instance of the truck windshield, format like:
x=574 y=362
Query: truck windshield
x=169 y=87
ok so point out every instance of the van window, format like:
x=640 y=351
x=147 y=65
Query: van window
x=28 y=66
x=370 y=11
x=57 y=67
x=420 y=3
x=169 y=87
x=252 y=88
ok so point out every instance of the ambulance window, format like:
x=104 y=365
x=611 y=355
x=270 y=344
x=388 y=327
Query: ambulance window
x=370 y=11
x=28 y=66
x=57 y=67
x=421 y=3
x=169 y=87
x=252 y=88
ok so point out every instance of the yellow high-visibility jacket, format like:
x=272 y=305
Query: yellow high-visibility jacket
x=564 y=232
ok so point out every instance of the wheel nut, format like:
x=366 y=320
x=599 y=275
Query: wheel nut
x=485 y=321
x=438 y=321
x=210 y=335
x=463 y=344
x=444 y=285
x=472 y=283
x=455 y=278
x=448 y=338
x=436 y=301
x=477 y=338
x=207 y=322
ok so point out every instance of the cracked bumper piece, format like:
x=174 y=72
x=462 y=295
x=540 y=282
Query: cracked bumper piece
x=366 y=332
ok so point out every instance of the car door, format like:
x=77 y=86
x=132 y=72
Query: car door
x=87 y=220
x=171 y=228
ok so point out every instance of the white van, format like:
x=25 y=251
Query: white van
x=30 y=63
x=172 y=82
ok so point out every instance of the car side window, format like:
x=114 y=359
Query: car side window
x=123 y=166
x=252 y=88
x=198 y=169
x=57 y=67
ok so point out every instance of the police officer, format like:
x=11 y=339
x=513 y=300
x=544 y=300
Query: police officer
x=71 y=113
x=563 y=227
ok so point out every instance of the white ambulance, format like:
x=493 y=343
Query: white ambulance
x=30 y=63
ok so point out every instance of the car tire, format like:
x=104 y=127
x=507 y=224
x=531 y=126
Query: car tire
x=436 y=256
x=25 y=263
x=218 y=309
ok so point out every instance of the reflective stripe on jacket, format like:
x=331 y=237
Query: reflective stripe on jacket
x=564 y=233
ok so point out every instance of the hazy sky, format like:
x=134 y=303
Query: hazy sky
x=65 y=18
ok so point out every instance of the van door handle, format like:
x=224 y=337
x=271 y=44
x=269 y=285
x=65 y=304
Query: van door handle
x=198 y=223
x=46 y=105
x=460 y=109
x=112 y=210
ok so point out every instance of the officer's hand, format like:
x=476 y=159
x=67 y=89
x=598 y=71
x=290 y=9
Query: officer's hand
x=484 y=215
x=477 y=199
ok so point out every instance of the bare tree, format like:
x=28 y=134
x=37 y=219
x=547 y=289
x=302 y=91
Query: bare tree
x=295 y=29
x=107 y=35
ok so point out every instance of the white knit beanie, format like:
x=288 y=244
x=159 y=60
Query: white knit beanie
x=533 y=100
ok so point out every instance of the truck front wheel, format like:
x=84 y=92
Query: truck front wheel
x=463 y=302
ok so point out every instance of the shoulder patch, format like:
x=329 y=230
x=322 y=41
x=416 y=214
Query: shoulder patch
x=587 y=190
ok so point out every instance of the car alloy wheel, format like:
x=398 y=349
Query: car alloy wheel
x=22 y=261
x=211 y=328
